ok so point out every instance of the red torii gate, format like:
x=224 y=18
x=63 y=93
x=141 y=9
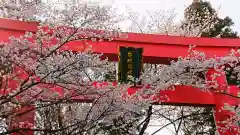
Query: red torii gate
x=171 y=47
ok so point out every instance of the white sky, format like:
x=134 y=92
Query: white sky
x=226 y=7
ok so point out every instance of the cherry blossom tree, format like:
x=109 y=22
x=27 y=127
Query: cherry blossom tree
x=41 y=69
x=162 y=22
x=19 y=9
x=42 y=65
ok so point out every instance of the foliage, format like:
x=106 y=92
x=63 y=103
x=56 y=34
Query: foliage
x=196 y=14
x=44 y=61
x=200 y=20
x=37 y=63
x=20 y=9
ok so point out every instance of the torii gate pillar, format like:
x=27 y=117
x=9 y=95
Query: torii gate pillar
x=224 y=94
x=220 y=100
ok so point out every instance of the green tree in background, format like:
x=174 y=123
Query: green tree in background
x=199 y=11
x=196 y=14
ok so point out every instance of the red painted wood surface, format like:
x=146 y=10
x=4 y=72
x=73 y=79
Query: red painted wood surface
x=181 y=95
x=157 y=49
x=223 y=116
x=220 y=99
x=24 y=119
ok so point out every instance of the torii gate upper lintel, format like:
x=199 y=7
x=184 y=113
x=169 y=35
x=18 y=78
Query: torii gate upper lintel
x=151 y=45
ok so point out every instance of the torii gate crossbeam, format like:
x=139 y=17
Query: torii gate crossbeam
x=158 y=49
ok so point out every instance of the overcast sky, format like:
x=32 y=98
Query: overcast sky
x=226 y=7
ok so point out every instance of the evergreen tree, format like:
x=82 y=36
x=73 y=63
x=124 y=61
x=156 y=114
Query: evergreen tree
x=199 y=11
x=196 y=14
